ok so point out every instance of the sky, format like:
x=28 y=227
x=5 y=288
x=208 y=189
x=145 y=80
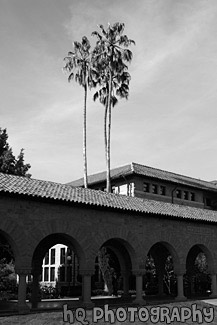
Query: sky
x=169 y=119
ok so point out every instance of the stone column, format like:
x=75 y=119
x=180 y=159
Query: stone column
x=214 y=286
x=139 y=283
x=180 y=288
x=22 y=306
x=125 y=276
x=86 y=288
x=35 y=288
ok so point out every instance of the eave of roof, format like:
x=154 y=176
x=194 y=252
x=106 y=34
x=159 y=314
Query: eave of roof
x=32 y=188
x=155 y=173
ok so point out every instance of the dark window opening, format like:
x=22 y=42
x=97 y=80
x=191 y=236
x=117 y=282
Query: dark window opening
x=185 y=195
x=146 y=187
x=162 y=190
x=208 y=202
x=178 y=194
x=192 y=196
x=154 y=189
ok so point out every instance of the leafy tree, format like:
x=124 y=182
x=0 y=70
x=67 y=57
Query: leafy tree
x=8 y=163
x=8 y=283
x=110 y=268
x=110 y=58
x=78 y=65
x=105 y=268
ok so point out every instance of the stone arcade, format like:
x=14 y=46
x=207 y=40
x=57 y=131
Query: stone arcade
x=35 y=215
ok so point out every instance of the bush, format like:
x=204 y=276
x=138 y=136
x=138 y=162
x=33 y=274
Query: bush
x=8 y=282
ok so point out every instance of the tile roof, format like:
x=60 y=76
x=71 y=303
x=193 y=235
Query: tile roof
x=141 y=170
x=49 y=190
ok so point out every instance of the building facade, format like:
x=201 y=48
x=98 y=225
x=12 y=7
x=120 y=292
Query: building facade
x=155 y=184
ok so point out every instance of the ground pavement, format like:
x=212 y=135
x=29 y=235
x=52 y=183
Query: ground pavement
x=170 y=313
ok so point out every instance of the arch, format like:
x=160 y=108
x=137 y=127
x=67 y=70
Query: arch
x=164 y=246
x=120 y=237
x=74 y=234
x=161 y=271
x=118 y=272
x=193 y=253
x=120 y=248
x=57 y=238
x=198 y=280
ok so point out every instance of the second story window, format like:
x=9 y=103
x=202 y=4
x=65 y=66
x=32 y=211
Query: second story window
x=162 y=190
x=185 y=196
x=208 y=202
x=154 y=188
x=146 y=187
x=192 y=196
x=179 y=194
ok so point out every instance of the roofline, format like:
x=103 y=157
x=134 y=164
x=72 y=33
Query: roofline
x=134 y=172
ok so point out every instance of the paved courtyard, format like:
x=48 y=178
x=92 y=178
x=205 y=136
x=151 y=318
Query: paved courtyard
x=55 y=318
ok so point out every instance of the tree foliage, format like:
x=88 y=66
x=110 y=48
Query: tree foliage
x=9 y=164
x=8 y=281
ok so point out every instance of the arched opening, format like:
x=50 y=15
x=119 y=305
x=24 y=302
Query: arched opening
x=56 y=263
x=160 y=278
x=198 y=266
x=113 y=270
x=8 y=276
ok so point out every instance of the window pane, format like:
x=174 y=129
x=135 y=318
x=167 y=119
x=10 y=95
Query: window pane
x=62 y=255
x=52 y=274
x=52 y=256
x=46 y=269
x=46 y=258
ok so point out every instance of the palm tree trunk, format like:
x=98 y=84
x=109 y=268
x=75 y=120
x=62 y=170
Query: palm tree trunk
x=85 y=137
x=105 y=128
x=108 y=186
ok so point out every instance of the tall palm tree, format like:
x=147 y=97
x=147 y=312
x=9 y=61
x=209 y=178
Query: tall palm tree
x=78 y=65
x=110 y=57
x=120 y=83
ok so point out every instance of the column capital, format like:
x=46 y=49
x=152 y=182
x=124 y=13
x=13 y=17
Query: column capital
x=180 y=270
x=23 y=271
x=86 y=272
x=125 y=273
x=138 y=272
